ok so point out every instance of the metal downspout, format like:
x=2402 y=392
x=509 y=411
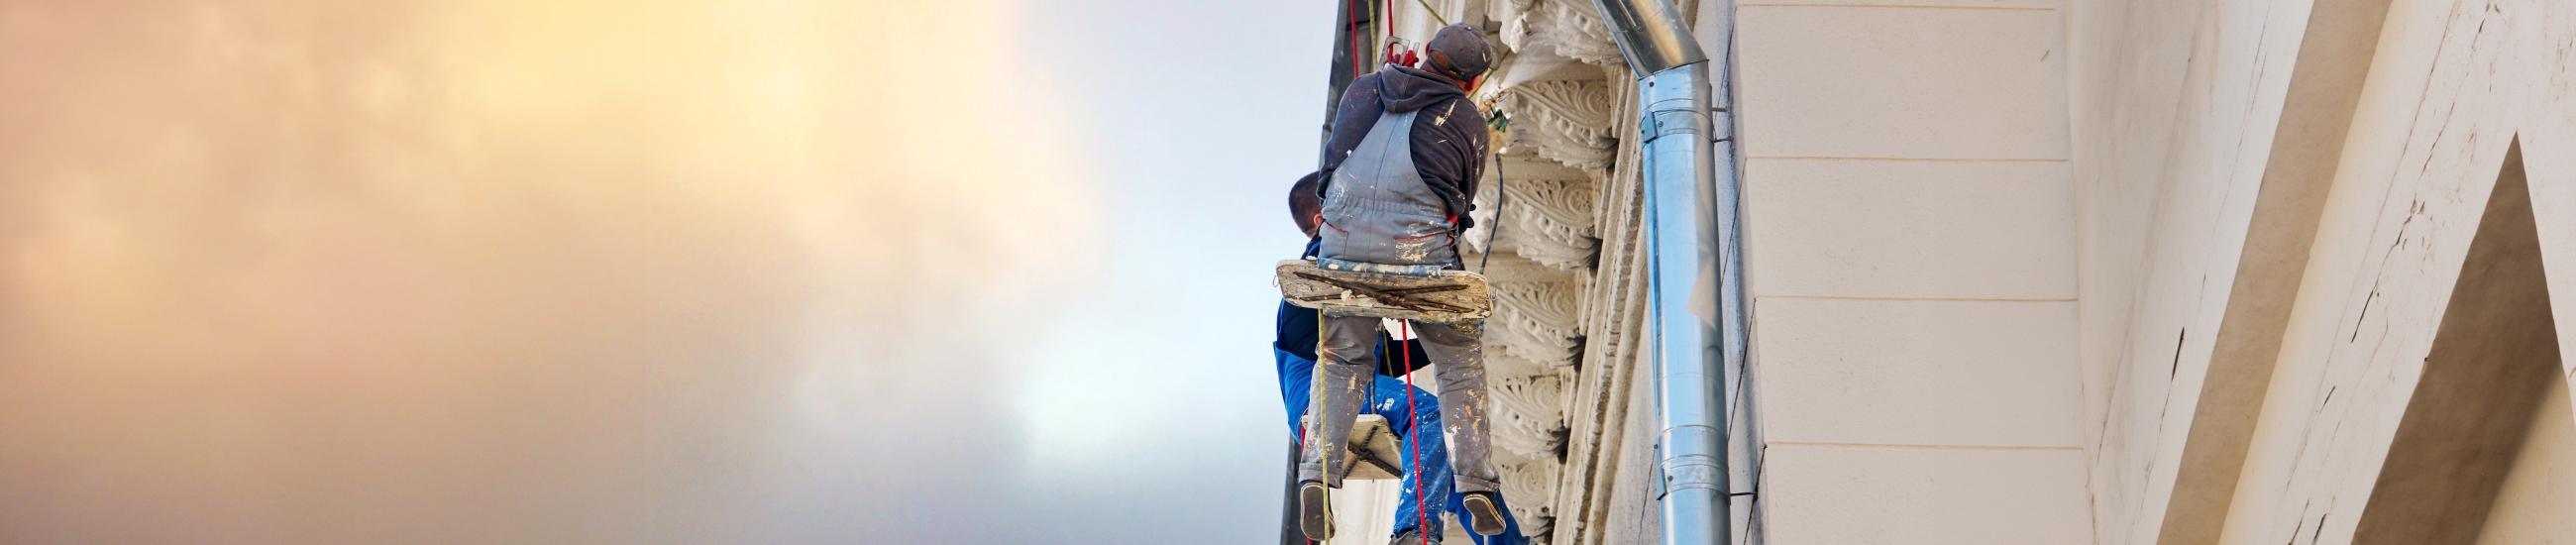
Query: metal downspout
x=1695 y=276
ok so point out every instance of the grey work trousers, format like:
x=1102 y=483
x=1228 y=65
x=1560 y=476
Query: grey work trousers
x=1348 y=368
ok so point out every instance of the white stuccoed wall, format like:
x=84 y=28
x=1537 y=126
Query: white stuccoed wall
x=1364 y=512
x=1911 y=232
x=2541 y=490
x=2276 y=199
x=2452 y=85
x=2178 y=104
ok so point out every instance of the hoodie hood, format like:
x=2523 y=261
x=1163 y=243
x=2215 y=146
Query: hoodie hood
x=1403 y=89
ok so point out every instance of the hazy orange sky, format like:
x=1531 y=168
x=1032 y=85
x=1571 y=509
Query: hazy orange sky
x=312 y=271
x=505 y=271
x=677 y=271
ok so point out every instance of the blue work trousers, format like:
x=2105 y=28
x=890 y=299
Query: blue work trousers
x=1426 y=454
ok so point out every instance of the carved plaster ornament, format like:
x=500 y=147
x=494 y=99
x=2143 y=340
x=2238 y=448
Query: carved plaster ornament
x=1536 y=310
x=1547 y=214
x=1567 y=121
x=1537 y=321
x=1502 y=365
x=1531 y=341
x=1476 y=238
x=1571 y=27
x=1547 y=221
x=1529 y=414
x=1514 y=26
x=1550 y=221
x=1530 y=484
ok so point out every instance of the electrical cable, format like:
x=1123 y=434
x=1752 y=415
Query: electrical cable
x=1501 y=194
x=1735 y=408
x=1413 y=446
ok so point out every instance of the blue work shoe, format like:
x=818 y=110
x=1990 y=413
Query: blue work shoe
x=1484 y=512
x=1314 y=510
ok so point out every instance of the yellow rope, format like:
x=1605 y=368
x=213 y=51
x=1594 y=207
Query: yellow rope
x=1435 y=14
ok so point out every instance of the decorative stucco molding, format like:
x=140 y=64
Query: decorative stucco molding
x=1536 y=321
x=1550 y=222
x=1599 y=397
x=1529 y=412
x=1537 y=311
x=1571 y=28
x=1531 y=346
x=1531 y=485
x=1567 y=121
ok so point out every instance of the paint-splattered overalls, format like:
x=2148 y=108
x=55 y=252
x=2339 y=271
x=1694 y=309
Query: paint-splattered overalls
x=1378 y=210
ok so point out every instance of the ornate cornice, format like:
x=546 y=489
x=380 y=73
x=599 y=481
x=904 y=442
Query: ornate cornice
x=1529 y=412
x=1532 y=341
x=1571 y=28
x=1550 y=221
x=1537 y=311
x=1531 y=345
x=1600 y=397
x=1567 y=121
x=1536 y=321
x=1531 y=485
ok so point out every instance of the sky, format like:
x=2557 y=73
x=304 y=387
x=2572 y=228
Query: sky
x=662 y=271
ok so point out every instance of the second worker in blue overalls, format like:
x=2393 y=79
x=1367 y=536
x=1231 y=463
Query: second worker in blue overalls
x=1408 y=148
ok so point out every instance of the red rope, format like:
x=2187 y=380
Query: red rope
x=1388 y=24
x=1359 y=56
x=1413 y=464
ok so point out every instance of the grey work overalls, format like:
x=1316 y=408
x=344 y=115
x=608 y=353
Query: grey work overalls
x=1378 y=210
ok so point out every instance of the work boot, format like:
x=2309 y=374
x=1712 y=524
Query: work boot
x=1314 y=511
x=1412 y=536
x=1484 y=513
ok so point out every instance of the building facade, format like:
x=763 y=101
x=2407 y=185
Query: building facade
x=2060 y=271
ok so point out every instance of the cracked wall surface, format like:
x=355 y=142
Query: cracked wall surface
x=2278 y=200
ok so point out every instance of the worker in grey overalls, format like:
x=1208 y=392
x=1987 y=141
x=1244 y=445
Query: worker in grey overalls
x=1408 y=148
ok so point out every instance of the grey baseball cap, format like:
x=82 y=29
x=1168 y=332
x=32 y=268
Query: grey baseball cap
x=1464 y=45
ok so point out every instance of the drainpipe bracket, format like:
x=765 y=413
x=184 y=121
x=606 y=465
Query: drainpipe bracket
x=1664 y=122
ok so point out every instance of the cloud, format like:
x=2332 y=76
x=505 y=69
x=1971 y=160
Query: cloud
x=564 y=272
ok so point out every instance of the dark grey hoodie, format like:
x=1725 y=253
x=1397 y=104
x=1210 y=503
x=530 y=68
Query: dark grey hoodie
x=1448 y=138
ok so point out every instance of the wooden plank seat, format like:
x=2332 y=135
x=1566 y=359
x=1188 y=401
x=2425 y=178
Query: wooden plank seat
x=1421 y=293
